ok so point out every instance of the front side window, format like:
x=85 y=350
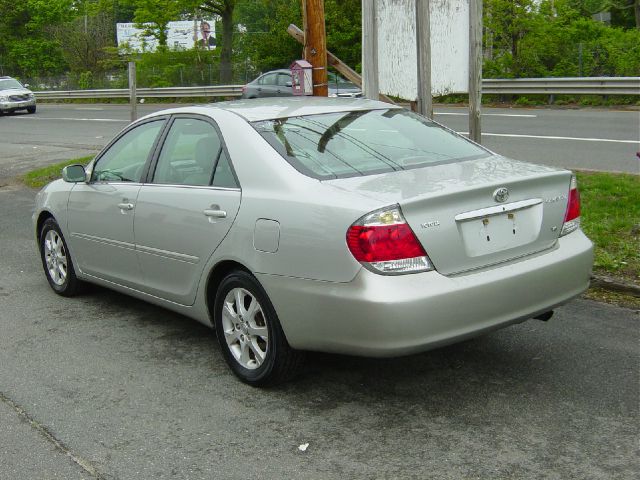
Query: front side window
x=189 y=154
x=126 y=158
x=365 y=142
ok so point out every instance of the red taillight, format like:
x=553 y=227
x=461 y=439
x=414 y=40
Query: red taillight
x=573 y=206
x=383 y=243
x=572 y=215
x=244 y=89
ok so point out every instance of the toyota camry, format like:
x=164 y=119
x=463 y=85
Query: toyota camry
x=335 y=225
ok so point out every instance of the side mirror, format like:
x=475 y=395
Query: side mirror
x=26 y=85
x=288 y=84
x=74 y=174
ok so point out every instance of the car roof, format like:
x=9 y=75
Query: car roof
x=258 y=109
x=279 y=70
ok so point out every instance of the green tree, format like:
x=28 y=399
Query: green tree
x=343 y=20
x=26 y=47
x=225 y=9
x=85 y=40
x=264 y=42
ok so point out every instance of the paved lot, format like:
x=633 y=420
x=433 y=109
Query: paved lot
x=104 y=386
x=585 y=138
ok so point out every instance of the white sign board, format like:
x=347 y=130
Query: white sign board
x=180 y=35
x=397 y=58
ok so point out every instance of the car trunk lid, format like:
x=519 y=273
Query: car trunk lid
x=473 y=214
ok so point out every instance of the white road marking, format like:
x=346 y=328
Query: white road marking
x=461 y=114
x=99 y=109
x=549 y=137
x=68 y=119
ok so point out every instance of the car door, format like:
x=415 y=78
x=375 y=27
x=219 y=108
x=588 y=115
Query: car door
x=268 y=85
x=186 y=209
x=284 y=85
x=101 y=211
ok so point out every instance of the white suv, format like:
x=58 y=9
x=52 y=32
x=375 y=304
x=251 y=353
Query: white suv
x=15 y=96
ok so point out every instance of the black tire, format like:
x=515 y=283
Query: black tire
x=31 y=109
x=280 y=362
x=68 y=284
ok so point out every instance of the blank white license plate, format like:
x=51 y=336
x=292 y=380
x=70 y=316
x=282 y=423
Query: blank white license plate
x=494 y=233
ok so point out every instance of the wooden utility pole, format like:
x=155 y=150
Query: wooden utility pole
x=370 y=84
x=132 y=91
x=315 y=44
x=475 y=69
x=335 y=62
x=423 y=48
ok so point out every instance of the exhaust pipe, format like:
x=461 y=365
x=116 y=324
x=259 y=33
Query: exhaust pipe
x=545 y=316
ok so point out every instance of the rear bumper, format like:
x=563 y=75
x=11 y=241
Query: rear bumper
x=381 y=316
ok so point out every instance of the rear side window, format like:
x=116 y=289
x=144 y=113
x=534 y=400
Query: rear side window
x=189 y=153
x=223 y=176
x=283 y=79
x=346 y=144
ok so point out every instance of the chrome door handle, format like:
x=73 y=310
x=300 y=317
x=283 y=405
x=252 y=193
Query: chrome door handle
x=125 y=206
x=215 y=213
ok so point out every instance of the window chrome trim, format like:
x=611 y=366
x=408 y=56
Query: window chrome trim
x=205 y=187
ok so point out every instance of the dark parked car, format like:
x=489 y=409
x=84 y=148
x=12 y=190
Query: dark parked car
x=277 y=83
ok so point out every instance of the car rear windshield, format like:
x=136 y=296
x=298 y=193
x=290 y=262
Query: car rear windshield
x=7 y=83
x=365 y=142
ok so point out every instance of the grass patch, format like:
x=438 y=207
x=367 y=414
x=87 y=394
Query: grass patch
x=40 y=177
x=610 y=216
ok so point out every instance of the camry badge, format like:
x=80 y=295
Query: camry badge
x=501 y=195
x=433 y=223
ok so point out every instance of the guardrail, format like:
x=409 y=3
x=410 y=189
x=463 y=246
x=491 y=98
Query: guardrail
x=563 y=86
x=171 y=92
x=499 y=86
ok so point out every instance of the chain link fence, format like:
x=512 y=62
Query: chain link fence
x=148 y=76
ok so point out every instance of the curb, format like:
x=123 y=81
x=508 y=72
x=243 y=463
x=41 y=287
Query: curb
x=614 y=285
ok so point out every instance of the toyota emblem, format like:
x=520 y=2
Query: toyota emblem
x=501 y=195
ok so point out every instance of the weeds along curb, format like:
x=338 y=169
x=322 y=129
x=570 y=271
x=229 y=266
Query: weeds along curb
x=614 y=285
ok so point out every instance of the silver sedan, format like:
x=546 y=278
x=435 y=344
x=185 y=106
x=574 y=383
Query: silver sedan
x=299 y=224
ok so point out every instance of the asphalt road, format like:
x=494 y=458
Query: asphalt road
x=104 y=386
x=586 y=138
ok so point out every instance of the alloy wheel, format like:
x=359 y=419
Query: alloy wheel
x=55 y=257
x=245 y=328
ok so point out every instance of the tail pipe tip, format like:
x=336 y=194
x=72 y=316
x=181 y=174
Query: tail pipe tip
x=544 y=316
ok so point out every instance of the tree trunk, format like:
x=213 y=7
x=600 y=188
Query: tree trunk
x=226 y=72
x=637 y=10
x=162 y=34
